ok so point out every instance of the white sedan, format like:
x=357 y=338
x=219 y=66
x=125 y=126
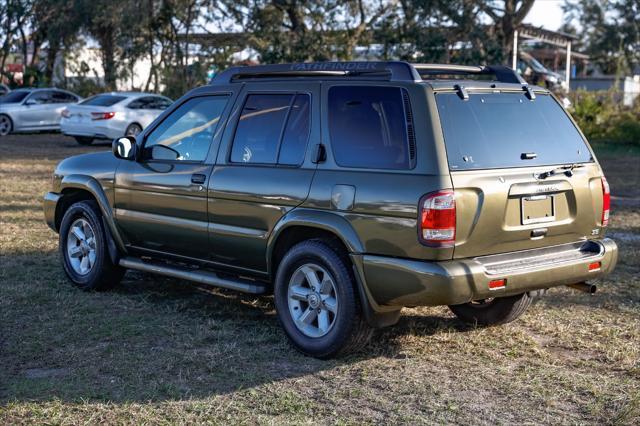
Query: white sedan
x=111 y=115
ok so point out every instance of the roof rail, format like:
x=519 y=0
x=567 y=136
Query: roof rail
x=391 y=70
x=503 y=74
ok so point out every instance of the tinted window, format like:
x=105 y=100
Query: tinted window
x=260 y=128
x=296 y=132
x=188 y=131
x=14 y=97
x=494 y=130
x=62 y=97
x=41 y=97
x=368 y=127
x=103 y=100
x=159 y=103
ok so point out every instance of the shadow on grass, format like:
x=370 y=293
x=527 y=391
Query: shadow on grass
x=151 y=338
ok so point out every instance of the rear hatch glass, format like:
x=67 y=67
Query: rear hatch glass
x=497 y=130
x=103 y=100
x=497 y=146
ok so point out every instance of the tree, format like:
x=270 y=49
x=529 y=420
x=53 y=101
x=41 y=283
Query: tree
x=609 y=31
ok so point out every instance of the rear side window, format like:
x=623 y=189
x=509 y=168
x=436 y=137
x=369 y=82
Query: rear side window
x=496 y=130
x=273 y=129
x=371 y=127
x=62 y=97
x=103 y=100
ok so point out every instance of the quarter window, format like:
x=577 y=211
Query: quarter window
x=370 y=127
x=185 y=135
x=273 y=129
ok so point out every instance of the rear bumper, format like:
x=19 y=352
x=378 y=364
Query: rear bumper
x=49 y=204
x=94 y=130
x=402 y=282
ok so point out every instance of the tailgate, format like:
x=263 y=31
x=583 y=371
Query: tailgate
x=507 y=210
x=523 y=175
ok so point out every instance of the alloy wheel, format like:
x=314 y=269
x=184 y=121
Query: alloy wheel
x=81 y=246
x=313 y=300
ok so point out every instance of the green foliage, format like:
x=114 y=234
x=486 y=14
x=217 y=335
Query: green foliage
x=603 y=119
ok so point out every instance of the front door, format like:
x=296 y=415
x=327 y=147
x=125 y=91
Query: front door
x=39 y=110
x=264 y=169
x=161 y=200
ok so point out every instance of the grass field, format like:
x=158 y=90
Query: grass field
x=160 y=350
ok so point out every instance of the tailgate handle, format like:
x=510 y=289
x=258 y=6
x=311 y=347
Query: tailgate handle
x=198 y=178
x=539 y=233
x=528 y=156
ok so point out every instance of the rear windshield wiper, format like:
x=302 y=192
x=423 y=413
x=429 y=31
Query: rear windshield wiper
x=566 y=170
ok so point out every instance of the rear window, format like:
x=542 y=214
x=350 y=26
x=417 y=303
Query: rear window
x=103 y=100
x=14 y=97
x=496 y=130
x=370 y=127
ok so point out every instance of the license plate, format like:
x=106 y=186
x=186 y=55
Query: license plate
x=537 y=209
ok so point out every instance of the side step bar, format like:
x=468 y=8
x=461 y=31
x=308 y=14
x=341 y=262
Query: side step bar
x=199 y=276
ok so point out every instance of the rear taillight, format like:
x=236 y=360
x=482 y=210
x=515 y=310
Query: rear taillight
x=65 y=113
x=606 y=201
x=438 y=219
x=102 y=115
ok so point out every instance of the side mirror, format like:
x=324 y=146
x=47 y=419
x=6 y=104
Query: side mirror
x=124 y=147
x=30 y=102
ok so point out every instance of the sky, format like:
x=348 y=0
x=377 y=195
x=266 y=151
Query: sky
x=546 y=13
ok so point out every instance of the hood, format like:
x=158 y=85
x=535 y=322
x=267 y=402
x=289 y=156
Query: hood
x=99 y=165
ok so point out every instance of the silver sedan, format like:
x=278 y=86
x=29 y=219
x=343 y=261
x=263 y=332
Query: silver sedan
x=28 y=110
x=112 y=115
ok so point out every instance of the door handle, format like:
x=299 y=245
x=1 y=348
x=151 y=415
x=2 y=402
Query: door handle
x=198 y=179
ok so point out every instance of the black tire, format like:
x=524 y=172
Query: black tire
x=500 y=310
x=83 y=140
x=348 y=331
x=133 y=129
x=6 y=125
x=103 y=274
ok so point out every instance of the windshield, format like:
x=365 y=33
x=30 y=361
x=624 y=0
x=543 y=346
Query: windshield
x=103 y=100
x=14 y=97
x=494 y=130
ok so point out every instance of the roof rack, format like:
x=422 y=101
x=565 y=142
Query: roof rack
x=391 y=70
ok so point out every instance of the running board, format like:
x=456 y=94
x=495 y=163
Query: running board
x=199 y=276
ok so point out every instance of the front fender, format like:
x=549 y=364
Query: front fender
x=90 y=184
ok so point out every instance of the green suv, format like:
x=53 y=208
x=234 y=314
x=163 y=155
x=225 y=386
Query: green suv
x=348 y=190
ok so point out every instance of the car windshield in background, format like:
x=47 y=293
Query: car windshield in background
x=14 y=97
x=103 y=100
x=494 y=130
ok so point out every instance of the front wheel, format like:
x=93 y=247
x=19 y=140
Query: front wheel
x=493 y=311
x=316 y=301
x=133 y=130
x=6 y=125
x=83 y=248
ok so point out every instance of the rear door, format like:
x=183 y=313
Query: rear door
x=510 y=160
x=264 y=169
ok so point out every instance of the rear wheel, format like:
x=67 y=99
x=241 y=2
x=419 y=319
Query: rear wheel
x=493 y=311
x=133 y=130
x=83 y=248
x=6 y=125
x=83 y=140
x=316 y=301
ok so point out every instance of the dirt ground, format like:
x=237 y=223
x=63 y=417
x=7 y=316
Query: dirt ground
x=158 y=350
